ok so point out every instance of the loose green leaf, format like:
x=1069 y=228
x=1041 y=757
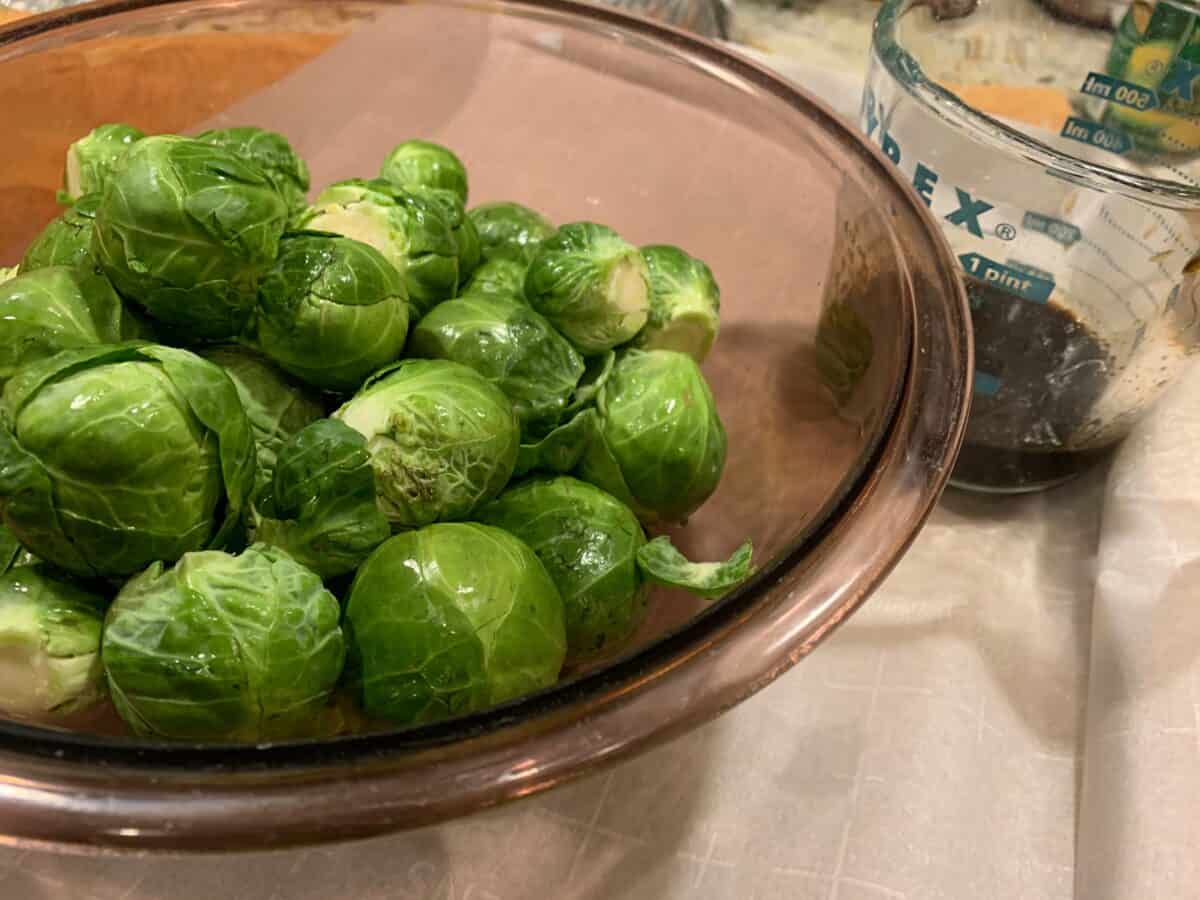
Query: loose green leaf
x=662 y=563
x=562 y=448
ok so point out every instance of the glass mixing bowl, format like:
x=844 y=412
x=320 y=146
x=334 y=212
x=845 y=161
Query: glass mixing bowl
x=842 y=370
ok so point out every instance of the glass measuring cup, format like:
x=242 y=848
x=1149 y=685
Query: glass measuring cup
x=1058 y=144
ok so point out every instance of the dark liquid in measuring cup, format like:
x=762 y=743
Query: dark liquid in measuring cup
x=1039 y=370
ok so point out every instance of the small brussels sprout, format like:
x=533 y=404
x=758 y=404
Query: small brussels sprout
x=184 y=228
x=509 y=231
x=442 y=438
x=112 y=457
x=411 y=231
x=596 y=554
x=330 y=310
x=466 y=238
x=685 y=304
x=66 y=241
x=222 y=647
x=49 y=645
x=56 y=308
x=321 y=508
x=511 y=346
x=661 y=447
x=276 y=406
x=423 y=164
x=591 y=285
x=272 y=153
x=451 y=619
x=92 y=158
x=498 y=278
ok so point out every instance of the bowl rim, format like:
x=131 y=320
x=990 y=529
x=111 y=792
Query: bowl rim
x=86 y=794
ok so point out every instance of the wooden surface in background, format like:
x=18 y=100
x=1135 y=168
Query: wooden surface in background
x=165 y=83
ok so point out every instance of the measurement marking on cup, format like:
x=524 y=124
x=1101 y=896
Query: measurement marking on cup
x=1118 y=91
x=1097 y=136
x=1014 y=281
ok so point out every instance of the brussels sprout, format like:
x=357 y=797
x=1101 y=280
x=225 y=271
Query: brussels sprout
x=462 y=229
x=588 y=542
x=591 y=285
x=276 y=407
x=451 y=619
x=221 y=647
x=56 y=308
x=509 y=231
x=331 y=310
x=92 y=158
x=685 y=303
x=272 y=153
x=596 y=553
x=66 y=241
x=511 y=346
x=411 y=231
x=422 y=164
x=184 y=228
x=442 y=439
x=49 y=645
x=112 y=457
x=498 y=278
x=321 y=508
x=661 y=447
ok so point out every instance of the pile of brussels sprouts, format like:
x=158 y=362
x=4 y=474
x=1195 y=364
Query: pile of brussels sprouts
x=269 y=468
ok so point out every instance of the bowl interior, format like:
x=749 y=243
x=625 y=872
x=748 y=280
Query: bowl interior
x=582 y=115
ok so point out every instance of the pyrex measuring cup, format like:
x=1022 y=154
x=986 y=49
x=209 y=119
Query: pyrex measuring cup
x=1058 y=144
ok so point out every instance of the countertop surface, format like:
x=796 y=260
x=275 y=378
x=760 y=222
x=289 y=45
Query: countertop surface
x=1015 y=714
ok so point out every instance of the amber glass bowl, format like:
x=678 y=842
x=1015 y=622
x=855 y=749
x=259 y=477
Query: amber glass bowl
x=841 y=372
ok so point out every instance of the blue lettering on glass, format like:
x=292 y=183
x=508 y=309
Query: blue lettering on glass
x=924 y=180
x=891 y=149
x=1057 y=230
x=968 y=212
x=1097 y=135
x=1006 y=278
x=1115 y=90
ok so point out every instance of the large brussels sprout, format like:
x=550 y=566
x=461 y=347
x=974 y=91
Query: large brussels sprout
x=276 y=406
x=423 y=164
x=222 y=647
x=685 y=303
x=321 y=508
x=410 y=230
x=511 y=346
x=661 y=444
x=596 y=553
x=330 y=311
x=66 y=241
x=451 y=619
x=49 y=645
x=92 y=158
x=115 y=456
x=498 y=278
x=272 y=153
x=442 y=438
x=57 y=308
x=509 y=230
x=184 y=228
x=591 y=285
